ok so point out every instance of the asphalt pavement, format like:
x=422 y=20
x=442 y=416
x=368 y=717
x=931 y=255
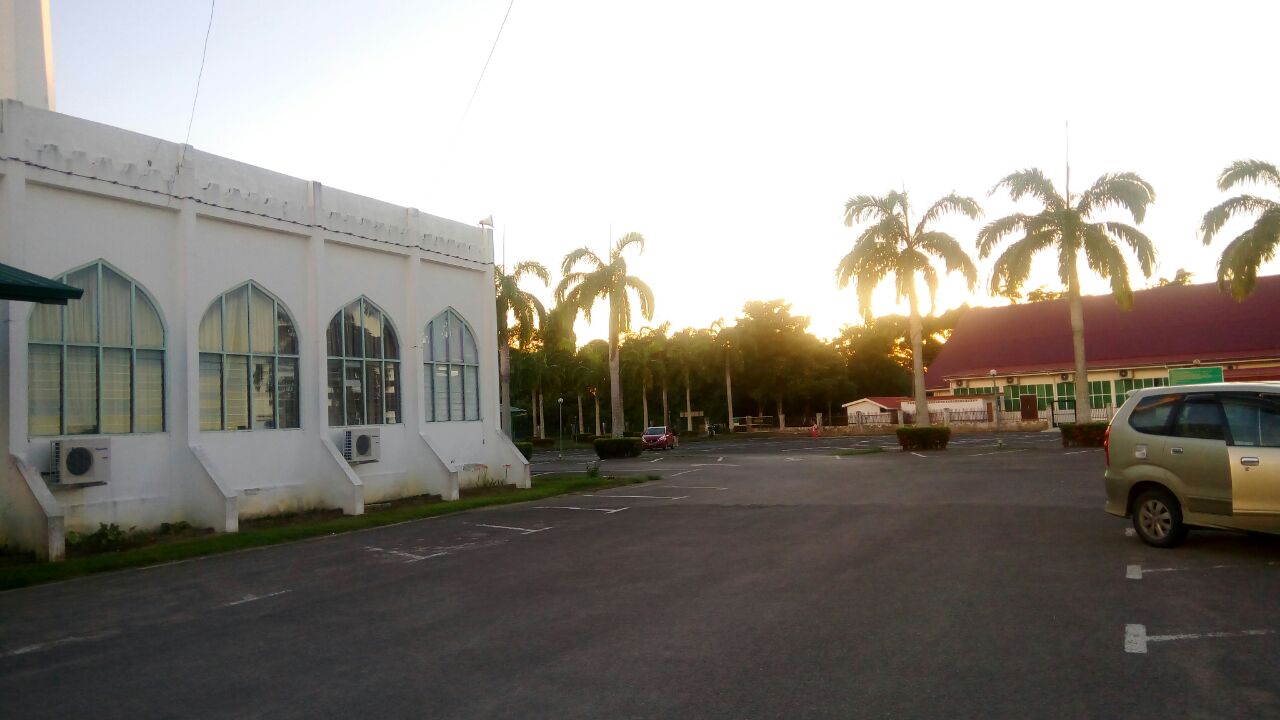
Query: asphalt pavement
x=766 y=578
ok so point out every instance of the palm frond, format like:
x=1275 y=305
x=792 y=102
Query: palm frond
x=954 y=258
x=644 y=293
x=530 y=267
x=1227 y=209
x=997 y=230
x=1243 y=256
x=861 y=207
x=1103 y=256
x=1242 y=171
x=952 y=203
x=1140 y=244
x=582 y=253
x=1033 y=182
x=1127 y=190
x=1013 y=266
x=931 y=282
x=631 y=238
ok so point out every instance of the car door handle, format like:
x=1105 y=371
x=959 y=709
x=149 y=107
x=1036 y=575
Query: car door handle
x=1249 y=461
x=1175 y=450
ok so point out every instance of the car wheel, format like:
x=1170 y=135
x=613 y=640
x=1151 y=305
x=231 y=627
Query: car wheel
x=1157 y=518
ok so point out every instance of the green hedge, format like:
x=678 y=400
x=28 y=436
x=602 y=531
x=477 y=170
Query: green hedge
x=924 y=438
x=543 y=442
x=526 y=449
x=1090 y=434
x=632 y=434
x=586 y=437
x=607 y=448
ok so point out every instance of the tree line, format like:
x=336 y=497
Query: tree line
x=779 y=368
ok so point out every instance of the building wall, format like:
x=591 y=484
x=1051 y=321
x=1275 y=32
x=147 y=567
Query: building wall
x=81 y=192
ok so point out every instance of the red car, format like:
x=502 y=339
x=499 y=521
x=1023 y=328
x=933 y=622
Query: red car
x=658 y=438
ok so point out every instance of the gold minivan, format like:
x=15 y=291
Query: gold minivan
x=1196 y=456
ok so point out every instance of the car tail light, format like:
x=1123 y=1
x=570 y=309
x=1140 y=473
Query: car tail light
x=1106 y=446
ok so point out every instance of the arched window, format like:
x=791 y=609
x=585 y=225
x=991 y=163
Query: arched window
x=248 y=362
x=96 y=365
x=364 y=366
x=452 y=369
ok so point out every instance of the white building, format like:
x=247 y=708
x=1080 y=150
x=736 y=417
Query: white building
x=235 y=324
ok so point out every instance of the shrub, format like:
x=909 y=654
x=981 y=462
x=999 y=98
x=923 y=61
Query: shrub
x=1089 y=434
x=585 y=438
x=924 y=438
x=543 y=442
x=632 y=434
x=526 y=449
x=618 y=447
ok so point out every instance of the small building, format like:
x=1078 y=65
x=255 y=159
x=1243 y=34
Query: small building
x=873 y=406
x=1025 y=351
x=246 y=344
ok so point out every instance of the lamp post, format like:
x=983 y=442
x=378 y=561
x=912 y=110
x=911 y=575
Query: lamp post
x=995 y=404
x=560 y=427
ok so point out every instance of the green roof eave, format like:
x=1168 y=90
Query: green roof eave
x=21 y=285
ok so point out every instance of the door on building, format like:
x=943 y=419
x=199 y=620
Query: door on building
x=1030 y=410
x=1196 y=452
x=1253 y=420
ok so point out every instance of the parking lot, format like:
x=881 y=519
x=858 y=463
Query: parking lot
x=756 y=579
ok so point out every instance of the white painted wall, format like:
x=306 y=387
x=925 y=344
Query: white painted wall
x=82 y=191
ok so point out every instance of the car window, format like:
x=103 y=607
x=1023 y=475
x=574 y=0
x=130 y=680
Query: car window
x=1254 y=420
x=656 y=431
x=1151 y=415
x=1199 y=418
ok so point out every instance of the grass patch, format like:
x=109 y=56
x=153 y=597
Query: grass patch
x=860 y=451
x=287 y=528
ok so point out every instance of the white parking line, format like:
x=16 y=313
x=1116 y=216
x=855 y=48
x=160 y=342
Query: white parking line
x=1135 y=572
x=696 y=487
x=408 y=556
x=1077 y=452
x=36 y=647
x=714 y=465
x=720 y=459
x=686 y=472
x=251 y=598
x=637 y=497
x=1130 y=532
x=1136 y=637
x=526 y=531
x=1001 y=452
x=919 y=455
x=570 y=507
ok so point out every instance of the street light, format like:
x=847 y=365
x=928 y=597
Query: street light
x=995 y=405
x=560 y=427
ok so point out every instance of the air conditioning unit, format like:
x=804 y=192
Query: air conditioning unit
x=1124 y=373
x=1010 y=380
x=81 y=462
x=960 y=383
x=1064 y=377
x=362 y=445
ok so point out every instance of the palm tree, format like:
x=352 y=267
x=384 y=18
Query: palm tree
x=524 y=308
x=611 y=282
x=1238 y=266
x=727 y=346
x=1065 y=228
x=890 y=246
x=640 y=350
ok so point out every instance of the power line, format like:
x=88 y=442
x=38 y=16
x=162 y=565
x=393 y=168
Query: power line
x=199 y=76
x=476 y=89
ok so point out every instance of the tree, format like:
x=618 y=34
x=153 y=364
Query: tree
x=608 y=281
x=1181 y=277
x=1240 y=260
x=517 y=312
x=890 y=246
x=1066 y=229
x=640 y=354
x=727 y=345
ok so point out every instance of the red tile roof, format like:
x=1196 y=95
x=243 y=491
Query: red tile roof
x=1168 y=325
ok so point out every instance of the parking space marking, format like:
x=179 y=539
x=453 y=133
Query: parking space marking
x=1077 y=452
x=1136 y=638
x=720 y=459
x=996 y=452
x=1130 y=532
x=1135 y=572
x=637 y=497
x=696 y=487
x=408 y=556
x=919 y=455
x=686 y=472
x=570 y=507
x=525 y=531
x=713 y=465
x=251 y=598
x=36 y=647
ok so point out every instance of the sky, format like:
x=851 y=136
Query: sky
x=730 y=134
